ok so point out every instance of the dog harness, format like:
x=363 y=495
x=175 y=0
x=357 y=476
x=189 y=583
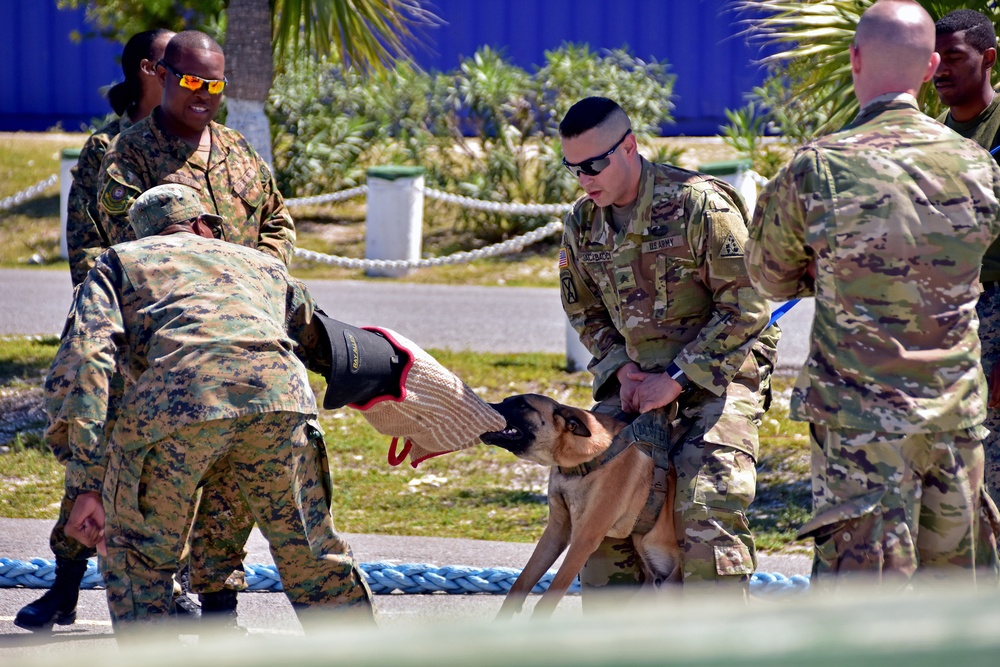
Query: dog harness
x=644 y=432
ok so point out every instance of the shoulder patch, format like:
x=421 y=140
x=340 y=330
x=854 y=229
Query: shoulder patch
x=731 y=247
x=117 y=197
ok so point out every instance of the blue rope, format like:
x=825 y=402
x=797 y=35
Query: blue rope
x=382 y=577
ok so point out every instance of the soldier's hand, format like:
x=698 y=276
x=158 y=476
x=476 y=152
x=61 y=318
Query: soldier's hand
x=994 y=387
x=629 y=386
x=654 y=390
x=86 y=520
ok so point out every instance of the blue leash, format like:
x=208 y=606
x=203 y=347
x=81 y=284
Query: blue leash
x=785 y=307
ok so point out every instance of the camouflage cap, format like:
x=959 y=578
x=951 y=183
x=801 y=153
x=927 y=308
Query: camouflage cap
x=163 y=205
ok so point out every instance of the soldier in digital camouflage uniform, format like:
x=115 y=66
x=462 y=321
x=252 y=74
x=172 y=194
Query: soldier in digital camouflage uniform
x=967 y=43
x=205 y=331
x=886 y=222
x=653 y=280
x=180 y=143
x=132 y=100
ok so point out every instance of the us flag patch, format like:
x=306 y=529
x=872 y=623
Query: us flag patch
x=563 y=260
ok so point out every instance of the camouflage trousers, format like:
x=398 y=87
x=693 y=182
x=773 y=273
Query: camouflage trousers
x=221 y=527
x=988 y=310
x=715 y=485
x=279 y=462
x=886 y=505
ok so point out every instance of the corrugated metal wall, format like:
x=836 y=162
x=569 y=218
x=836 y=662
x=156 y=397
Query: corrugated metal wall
x=46 y=78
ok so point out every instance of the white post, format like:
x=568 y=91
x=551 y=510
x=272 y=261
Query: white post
x=395 y=216
x=70 y=156
x=736 y=173
x=577 y=355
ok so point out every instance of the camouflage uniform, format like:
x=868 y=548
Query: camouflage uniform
x=984 y=129
x=84 y=242
x=237 y=185
x=205 y=331
x=83 y=238
x=897 y=211
x=672 y=287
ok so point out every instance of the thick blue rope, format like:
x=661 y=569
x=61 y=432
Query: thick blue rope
x=382 y=577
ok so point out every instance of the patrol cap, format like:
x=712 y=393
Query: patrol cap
x=161 y=206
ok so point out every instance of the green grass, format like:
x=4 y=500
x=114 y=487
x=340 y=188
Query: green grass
x=481 y=492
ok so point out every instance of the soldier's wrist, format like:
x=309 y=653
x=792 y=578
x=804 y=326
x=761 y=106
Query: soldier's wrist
x=677 y=375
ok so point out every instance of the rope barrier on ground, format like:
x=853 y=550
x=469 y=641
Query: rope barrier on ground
x=382 y=577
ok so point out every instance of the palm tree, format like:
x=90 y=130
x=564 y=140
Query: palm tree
x=812 y=38
x=370 y=34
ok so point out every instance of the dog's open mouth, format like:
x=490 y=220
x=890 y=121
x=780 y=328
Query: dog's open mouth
x=509 y=433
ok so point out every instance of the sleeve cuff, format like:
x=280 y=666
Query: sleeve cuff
x=605 y=380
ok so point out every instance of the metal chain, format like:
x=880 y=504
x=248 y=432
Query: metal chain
x=28 y=193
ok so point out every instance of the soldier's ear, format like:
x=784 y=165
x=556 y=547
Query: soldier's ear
x=202 y=228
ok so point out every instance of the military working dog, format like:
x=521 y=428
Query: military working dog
x=598 y=486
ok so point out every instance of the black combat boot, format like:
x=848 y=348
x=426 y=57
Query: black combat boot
x=220 y=608
x=58 y=605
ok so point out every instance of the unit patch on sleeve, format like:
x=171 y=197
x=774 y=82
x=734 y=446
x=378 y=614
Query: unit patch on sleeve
x=117 y=197
x=731 y=247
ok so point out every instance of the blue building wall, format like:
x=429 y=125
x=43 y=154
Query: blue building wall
x=47 y=79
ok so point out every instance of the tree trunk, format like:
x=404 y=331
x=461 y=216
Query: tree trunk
x=250 y=71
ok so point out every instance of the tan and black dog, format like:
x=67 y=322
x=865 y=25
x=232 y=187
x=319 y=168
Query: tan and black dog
x=594 y=491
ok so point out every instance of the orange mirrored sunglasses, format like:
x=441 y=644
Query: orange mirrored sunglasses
x=193 y=82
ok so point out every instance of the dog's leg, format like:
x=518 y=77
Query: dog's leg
x=553 y=542
x=587 y=533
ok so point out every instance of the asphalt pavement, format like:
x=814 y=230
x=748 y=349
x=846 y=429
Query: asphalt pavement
x=455 y=317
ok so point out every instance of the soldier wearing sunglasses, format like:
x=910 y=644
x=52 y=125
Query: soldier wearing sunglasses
x=181 y=143
x=653 y=280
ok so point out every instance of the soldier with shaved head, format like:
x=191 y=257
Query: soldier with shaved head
x=885 y=222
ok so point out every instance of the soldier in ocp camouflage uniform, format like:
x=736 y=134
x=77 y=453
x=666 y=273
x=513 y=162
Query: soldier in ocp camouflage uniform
x=205 y=330
x=180 y=143
x=653 y=280
x=886 y=222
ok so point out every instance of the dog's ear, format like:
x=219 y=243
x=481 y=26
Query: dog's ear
x=574 y=424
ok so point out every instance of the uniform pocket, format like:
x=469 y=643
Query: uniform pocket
x=314 y=434
x=849 y=536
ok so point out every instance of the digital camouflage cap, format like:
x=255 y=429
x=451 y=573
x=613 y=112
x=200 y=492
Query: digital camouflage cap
x=161 y=206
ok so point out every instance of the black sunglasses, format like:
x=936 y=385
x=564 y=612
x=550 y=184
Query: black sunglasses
x=595 y=165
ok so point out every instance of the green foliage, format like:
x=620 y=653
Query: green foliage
x=487 y=130
x=120 y=19
x=812 y=39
